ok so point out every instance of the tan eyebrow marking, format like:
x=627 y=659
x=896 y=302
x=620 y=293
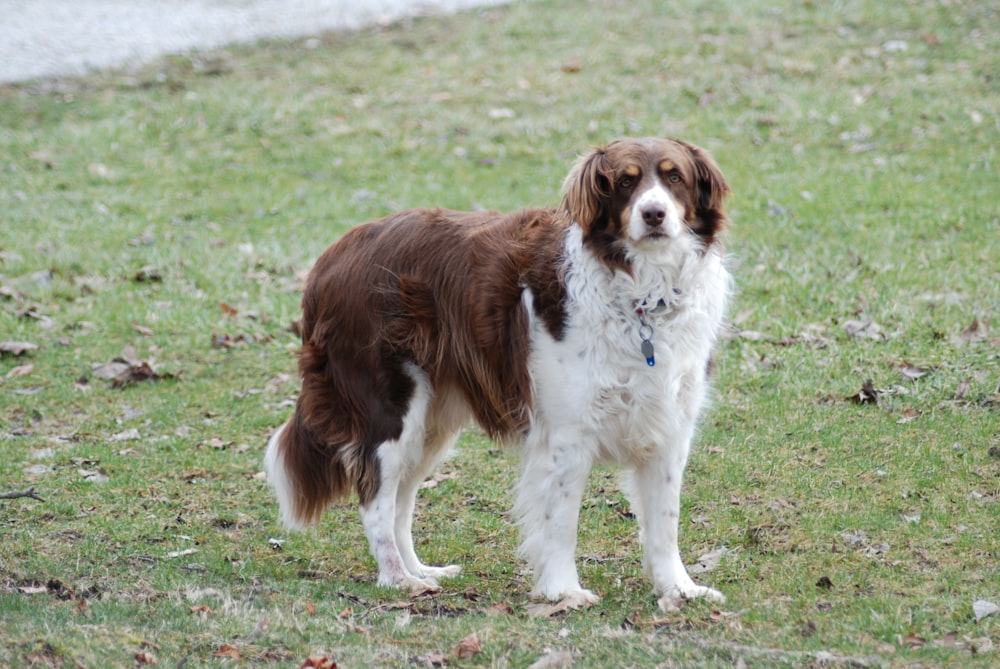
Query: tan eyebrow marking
x=632 y=171
x=666 y=165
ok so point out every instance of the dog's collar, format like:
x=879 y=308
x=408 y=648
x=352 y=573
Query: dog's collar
x=652 y=306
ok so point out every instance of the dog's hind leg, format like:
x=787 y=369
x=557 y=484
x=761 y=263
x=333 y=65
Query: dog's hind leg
x=400 y=461
x=447 y=414
x=406 y=498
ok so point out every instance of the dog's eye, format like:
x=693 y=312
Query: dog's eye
x=674 y=178
x=625 y=182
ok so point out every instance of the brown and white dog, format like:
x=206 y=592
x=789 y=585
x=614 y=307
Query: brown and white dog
x=581 y=333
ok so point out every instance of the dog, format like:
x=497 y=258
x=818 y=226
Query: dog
x=578 y=334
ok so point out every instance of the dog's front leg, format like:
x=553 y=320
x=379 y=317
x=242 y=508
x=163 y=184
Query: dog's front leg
x=656 y=500
x=548 y=499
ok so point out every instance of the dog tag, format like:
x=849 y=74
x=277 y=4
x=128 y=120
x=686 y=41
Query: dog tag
x=647 y=351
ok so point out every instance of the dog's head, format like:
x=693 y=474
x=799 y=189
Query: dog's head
x=637 y=192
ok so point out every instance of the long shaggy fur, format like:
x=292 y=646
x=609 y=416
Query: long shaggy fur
x=416 y=322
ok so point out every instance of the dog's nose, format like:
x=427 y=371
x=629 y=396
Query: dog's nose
x=654 y=215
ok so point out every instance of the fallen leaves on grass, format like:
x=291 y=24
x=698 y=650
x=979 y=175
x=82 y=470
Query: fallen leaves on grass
x=227 y=341
x=553 y=659
x=467 y=647
x=144 y=657
x=977 y=332
x=314 y=662
x=93 y=475
x=911 y=641
x=228 y=651
x=147 y=274
x=867 y=395
x=16 y=347
x=984 y=609
x=20 y=370
x=865 y=328
x=128 y=370
x=550 y=609
x=708 y=561
x=433 y=659
x=912 y=372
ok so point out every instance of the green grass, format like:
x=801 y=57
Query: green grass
x=860 y=141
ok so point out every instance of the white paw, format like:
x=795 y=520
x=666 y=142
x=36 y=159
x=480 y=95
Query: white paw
x=568 y=598
x=579 y=599
x=449 y=571
x=690 y=590
x=412 y=584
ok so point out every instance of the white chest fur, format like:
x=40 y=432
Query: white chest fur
x=595 y=382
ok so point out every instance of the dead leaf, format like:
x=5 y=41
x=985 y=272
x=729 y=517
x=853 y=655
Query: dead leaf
x=752 y=335
x=548 y=609
x=229 y=309
x=949 y=640
x=553 y=659
x=201 y=611
x=17 y=347
x=310 y=609
x=984 y=609
x=217 y=443
x=145 y=658
x=910 y=415
x=93 y=476
x=147 y=274
x=434 y=659
x=313 y=662
x=143 y=330
x=467 y=647
x=980 y=645
x=227 y=650
x=21 y=370
x=913 y=372
x=572 y=66
x=145 y=239
x=912 y=641
x=127 y=435
x=136 y=374
x=864 y=329
x=963 y=389
x=708 y=561
x=867 y=394
x=978 y=331
x=500 y=609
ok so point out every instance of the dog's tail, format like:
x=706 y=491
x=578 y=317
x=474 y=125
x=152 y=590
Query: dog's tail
x=304 y=479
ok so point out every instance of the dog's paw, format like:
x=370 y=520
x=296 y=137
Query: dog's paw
x=448 y=571
x=421 y=586
x=669 y=601
x=579 y=599
x=575 y=599
x=410 y=583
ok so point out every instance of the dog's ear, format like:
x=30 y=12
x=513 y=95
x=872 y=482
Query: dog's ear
x=587 y=189
x=712 y=191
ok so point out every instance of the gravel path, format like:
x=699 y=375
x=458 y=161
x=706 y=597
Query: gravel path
x=44 y=38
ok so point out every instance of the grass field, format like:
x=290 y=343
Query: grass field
x=165 y=217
